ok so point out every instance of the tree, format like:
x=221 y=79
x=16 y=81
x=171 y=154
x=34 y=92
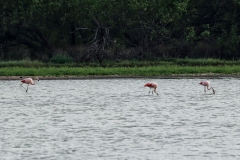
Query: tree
x=145 y=24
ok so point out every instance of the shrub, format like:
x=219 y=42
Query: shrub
x=61 y=59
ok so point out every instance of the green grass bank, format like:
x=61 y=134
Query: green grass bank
x=167 y=67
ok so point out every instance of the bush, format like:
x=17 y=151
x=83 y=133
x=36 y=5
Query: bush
x=61 y=59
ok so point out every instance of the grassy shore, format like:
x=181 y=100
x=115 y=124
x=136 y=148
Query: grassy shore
x=170 y=67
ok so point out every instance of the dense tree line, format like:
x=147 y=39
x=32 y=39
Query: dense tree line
x=88 y=30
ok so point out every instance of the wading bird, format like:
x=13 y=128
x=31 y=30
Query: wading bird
x=206 y=84
x=28 y=81
x=152 y=86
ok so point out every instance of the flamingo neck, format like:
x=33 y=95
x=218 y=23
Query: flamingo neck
x=34 y=82
x=210 y=89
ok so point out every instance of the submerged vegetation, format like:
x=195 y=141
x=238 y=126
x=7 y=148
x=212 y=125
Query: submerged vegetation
x=125 y=68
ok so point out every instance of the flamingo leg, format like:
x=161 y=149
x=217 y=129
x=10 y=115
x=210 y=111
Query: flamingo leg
x=155 y=91
x=205 y=89
x=149 y=90
x=27 y=88
x=23 y=87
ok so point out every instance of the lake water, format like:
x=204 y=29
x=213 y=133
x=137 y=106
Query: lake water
x=118 y=119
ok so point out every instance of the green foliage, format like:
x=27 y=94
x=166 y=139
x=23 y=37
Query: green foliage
x=164 y=70
x=23 y=63
x=61 y=59
x=42 y=25
x=190 y=34
x=126 y=63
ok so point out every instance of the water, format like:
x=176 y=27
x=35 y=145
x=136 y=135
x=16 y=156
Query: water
x=117 y=119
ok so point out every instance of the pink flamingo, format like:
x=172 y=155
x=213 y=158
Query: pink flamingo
x=28 y=81
x=206 y=84
x=153 y=86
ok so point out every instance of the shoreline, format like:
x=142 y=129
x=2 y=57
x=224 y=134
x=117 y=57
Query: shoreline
x=179 y=76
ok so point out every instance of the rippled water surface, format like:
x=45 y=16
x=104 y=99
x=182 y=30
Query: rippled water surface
x=117 y=119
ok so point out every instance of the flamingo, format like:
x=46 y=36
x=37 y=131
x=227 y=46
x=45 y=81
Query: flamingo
x=206 y=84
x=152 y=85
x=28 y=81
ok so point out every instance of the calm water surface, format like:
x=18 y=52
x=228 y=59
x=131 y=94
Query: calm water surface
x=117 y=119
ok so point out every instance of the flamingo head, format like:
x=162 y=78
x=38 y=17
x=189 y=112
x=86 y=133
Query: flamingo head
x=147 y=85
x=36 y=79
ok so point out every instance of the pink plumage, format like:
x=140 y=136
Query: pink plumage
x=153 y=86
x=206 y=84
x=28 y=81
